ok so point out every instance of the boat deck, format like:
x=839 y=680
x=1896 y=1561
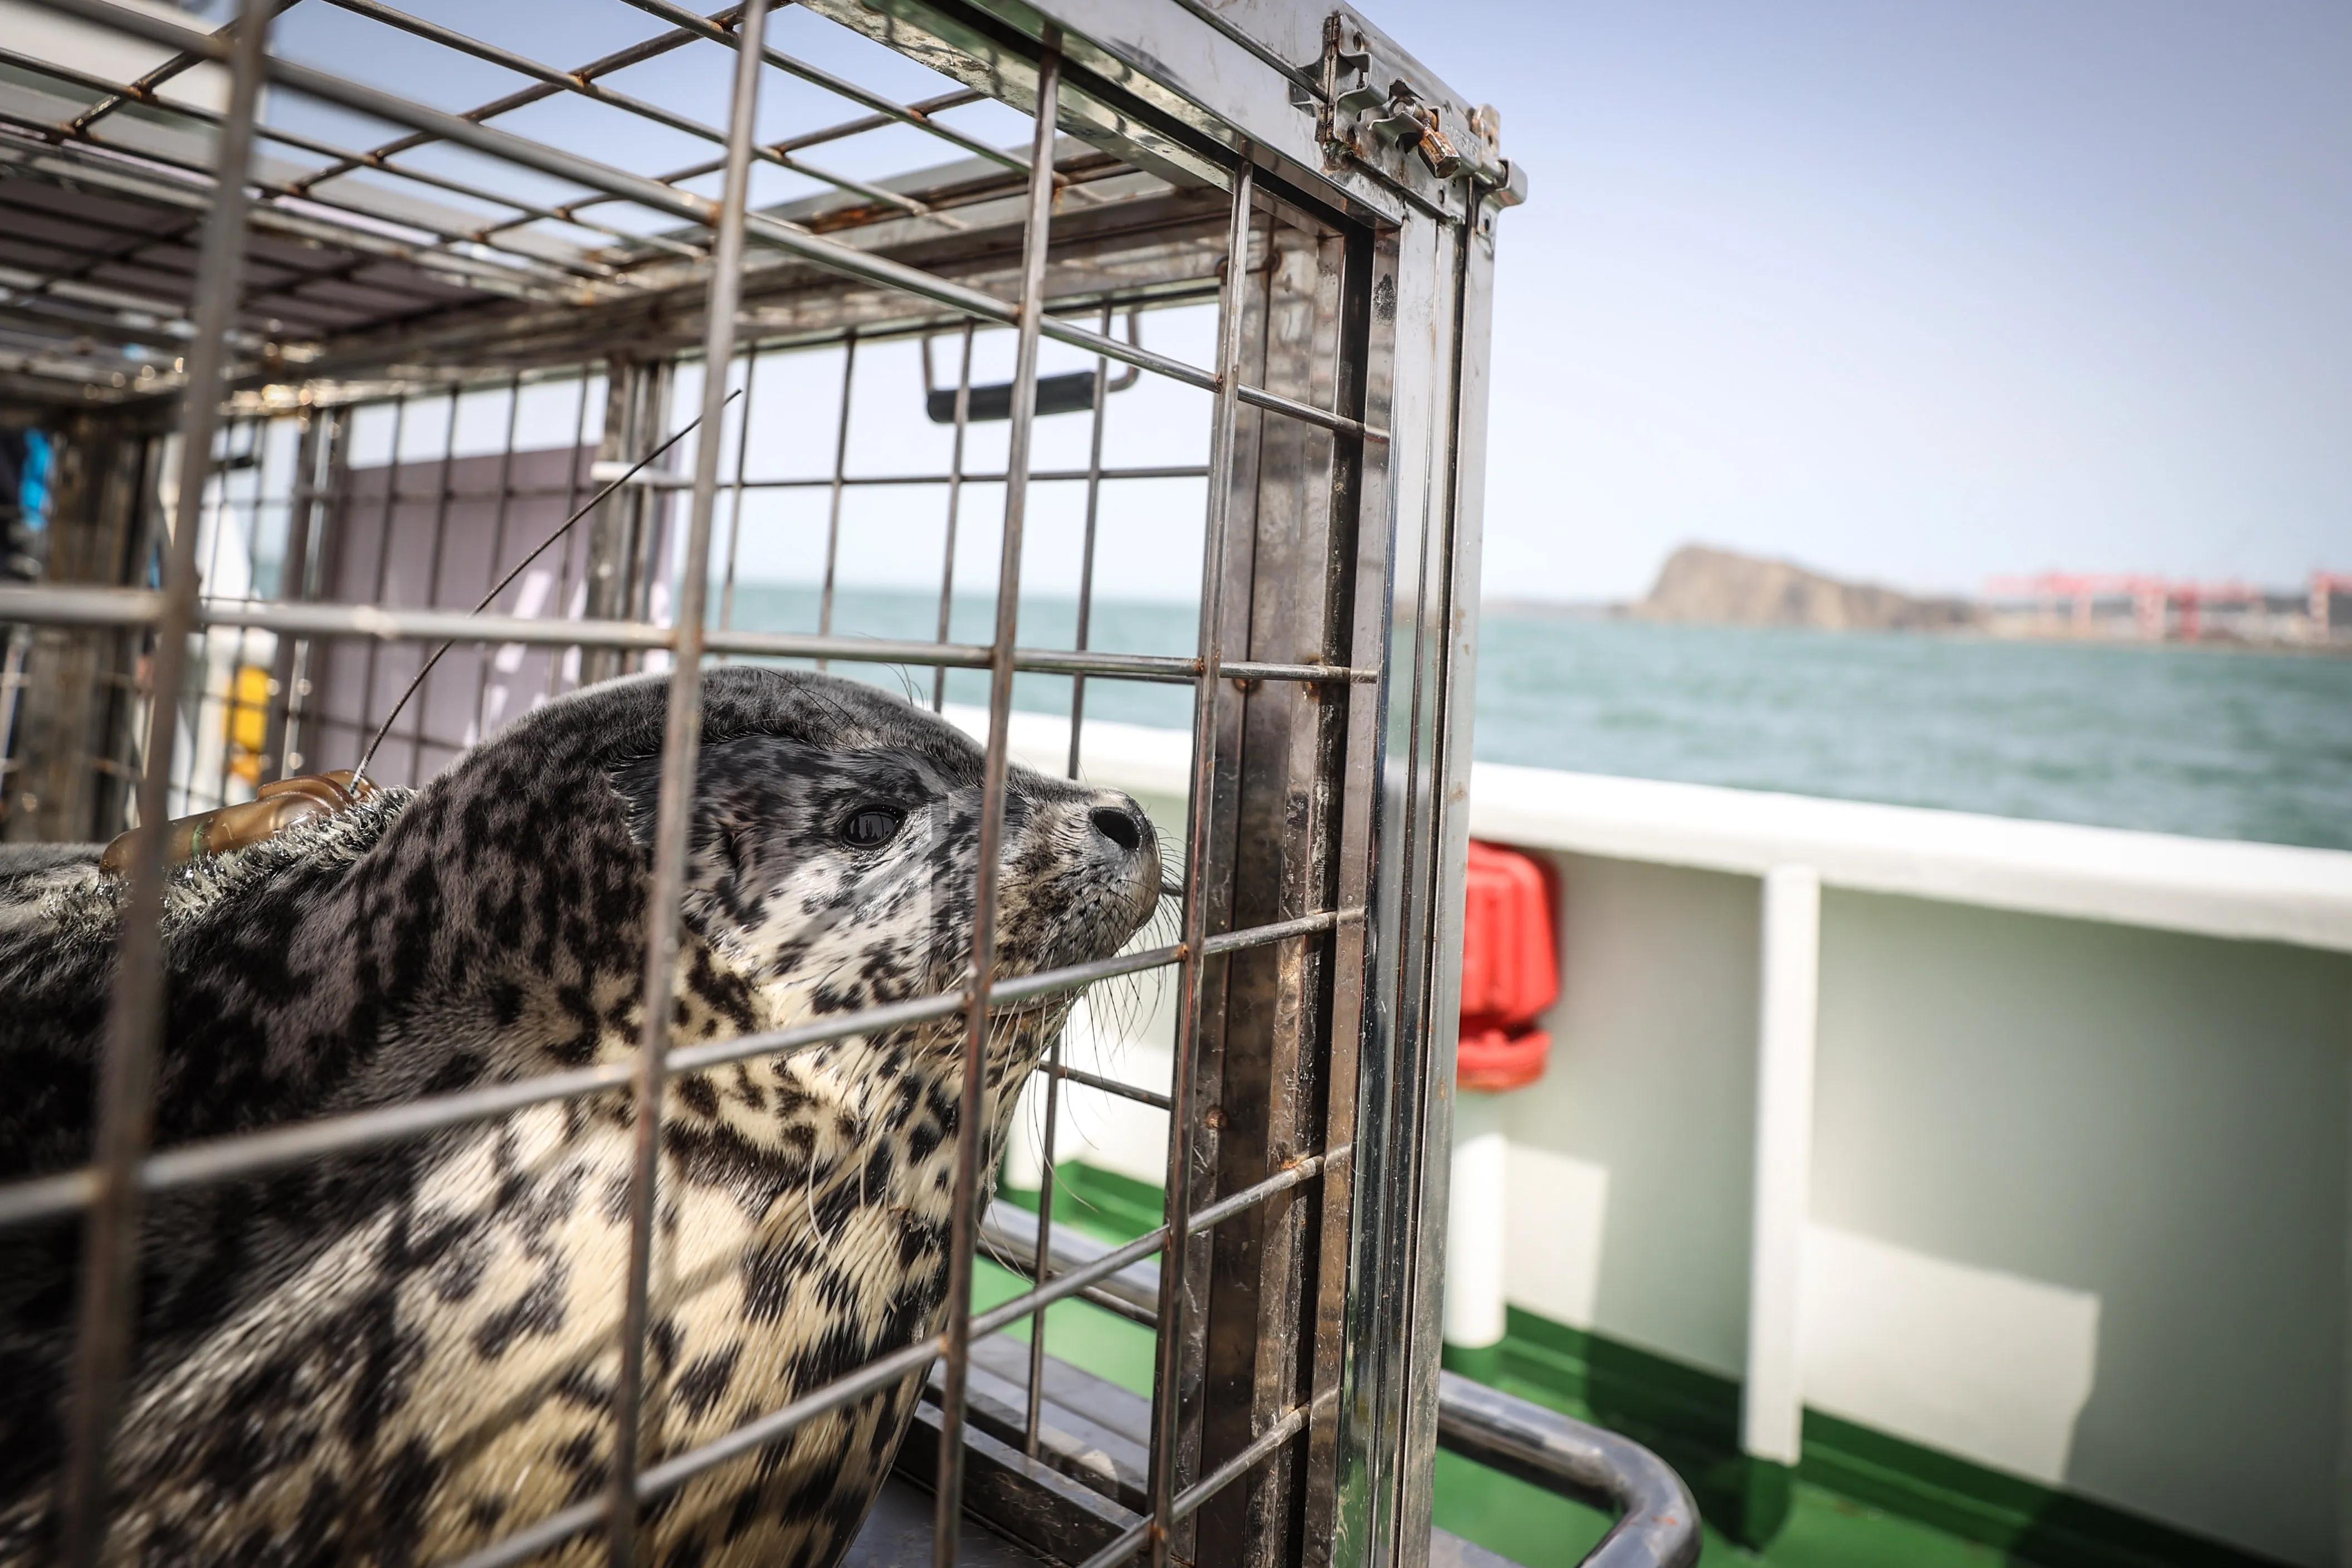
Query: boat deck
x=1099 y=1372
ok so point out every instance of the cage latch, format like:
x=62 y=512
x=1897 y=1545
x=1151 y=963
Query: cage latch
x=1366 y=113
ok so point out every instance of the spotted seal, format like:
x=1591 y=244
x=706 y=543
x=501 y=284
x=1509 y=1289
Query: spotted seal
x=400 y=1355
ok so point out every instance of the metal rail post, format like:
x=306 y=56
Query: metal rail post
x=1772 y=1398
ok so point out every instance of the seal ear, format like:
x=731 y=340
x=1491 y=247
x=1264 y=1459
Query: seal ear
x=722 y=845
x=741 y=785
x=637 y=782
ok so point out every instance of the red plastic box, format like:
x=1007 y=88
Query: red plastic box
x=1511 y=964
x=1494 y=1059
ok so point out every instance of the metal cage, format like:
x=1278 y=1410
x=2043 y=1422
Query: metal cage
x=322 y=362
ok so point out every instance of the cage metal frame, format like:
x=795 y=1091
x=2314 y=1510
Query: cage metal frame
x=1395 y=411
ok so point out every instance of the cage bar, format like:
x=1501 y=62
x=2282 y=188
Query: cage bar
x=106 y=1311
x=947 y=1518
x=680 y=745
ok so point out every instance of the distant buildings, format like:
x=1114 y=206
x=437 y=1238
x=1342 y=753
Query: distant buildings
x=2144 y=607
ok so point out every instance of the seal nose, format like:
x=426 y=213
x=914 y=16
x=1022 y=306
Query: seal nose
x=1118 y=826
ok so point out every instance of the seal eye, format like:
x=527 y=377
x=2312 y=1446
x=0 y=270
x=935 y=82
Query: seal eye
x=871 y=827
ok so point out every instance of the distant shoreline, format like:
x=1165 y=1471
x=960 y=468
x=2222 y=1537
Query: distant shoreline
x=1700 y=585
x=1540 y=609
x=1554 y=609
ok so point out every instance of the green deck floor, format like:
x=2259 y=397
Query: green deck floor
x=1524 y=1522
x=1083 y=1335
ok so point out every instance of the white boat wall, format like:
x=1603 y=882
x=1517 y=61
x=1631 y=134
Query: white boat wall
x=2049 y=1172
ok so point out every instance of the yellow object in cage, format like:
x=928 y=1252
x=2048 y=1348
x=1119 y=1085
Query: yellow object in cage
x=248 y=721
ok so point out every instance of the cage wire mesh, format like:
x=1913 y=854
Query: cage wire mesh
x=1139 y=436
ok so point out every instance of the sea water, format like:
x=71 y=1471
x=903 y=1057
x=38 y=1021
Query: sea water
x=2217 y=743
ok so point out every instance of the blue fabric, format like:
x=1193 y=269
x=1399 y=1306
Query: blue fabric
x=33 y=481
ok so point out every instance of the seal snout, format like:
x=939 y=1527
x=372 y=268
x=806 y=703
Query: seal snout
x=1120 y=856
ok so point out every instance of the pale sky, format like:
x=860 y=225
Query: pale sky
x=1917 y=292
x=1914 y=293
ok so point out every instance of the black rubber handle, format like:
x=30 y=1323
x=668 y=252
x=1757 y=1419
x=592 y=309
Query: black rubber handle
x=1069 y=392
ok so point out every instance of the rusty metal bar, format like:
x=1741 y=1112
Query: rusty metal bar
x=1042 y=476
x=1291 y=408
x=384 y=546
x=681 y=746
x=1033 y=1405
x=482 y=658
x=918 y=109
x=1053 y=1073
x=1011 y=1237
x=840 y=466
x=222 y=511
x=1154 y=1527
x=142 y=90
x=947 y=1517
x=681 y=18
x=1087 y=549
x=132 y=607
x=319 y=435
x=344 y=162
x=576 y=478
x=735 y=515
x=955 y=500
x=1142 y=1096
x=582 y=83
x=658 y=480
x=1167 y=1369
x=422 y=695
x=108 y=1310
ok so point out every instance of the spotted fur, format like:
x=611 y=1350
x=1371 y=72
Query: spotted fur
x=397 y=1356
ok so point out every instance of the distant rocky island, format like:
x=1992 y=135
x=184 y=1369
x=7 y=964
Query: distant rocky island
x=1702 y=586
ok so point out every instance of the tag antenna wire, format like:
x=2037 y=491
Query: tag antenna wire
x=359 y=774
